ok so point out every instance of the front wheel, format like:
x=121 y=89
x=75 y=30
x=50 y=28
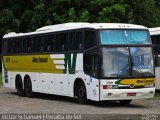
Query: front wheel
x=81 y=93
x=125 y=102
x=28 y=88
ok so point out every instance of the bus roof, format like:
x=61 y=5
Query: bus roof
x=154 y=31
x=72 y=26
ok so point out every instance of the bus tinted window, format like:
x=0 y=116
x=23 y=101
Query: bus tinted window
x=156 y=43
x=127 y=36
x=27 y=44
x=49 y=43
x=10 y=46
x=37 y=44
x=6 y=46
x=75 y=40
x=90 y=39
x=13 y=46
x=90 y=64
x=17 y=45
x=61 y=42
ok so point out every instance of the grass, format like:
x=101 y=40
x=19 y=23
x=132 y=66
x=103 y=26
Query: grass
x=157 y=94
x=1 y=79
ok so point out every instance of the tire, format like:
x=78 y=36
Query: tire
x=81 y=93
x=28 y=88
x=125 y=102
x=19 y=87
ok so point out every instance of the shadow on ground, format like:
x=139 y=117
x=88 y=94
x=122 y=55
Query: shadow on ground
x=101 y=104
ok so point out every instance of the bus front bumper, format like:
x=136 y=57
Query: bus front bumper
x=126 y=94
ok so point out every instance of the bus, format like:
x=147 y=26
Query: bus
x=87 y=61
x=155 y=36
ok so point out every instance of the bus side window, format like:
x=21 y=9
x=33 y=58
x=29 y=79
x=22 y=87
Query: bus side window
x=90 y=64
x=27 y=43
x=156 y=42
x=90 y=39
x=10 y=46
x=79 y=41
x=49 y=43
x=37 y=43
x=6 y=46
x=75 y=40
x=61 y=42
x=17 y=45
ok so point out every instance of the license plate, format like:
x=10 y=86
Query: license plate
x=131 y=94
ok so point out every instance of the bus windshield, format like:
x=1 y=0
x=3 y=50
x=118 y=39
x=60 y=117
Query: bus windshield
x=127 y=62
x=124 y=37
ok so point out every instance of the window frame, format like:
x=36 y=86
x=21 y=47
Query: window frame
x=44 y=41
x=32 y=46
x=50 y=33
x=82 y=36
x=5 y=51
x=96 y=35
x=96 y=51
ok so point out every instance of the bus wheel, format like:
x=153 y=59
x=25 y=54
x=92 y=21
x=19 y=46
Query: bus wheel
x=125 y=102
x=81 y=93
x=28 y=88
x=19 y=87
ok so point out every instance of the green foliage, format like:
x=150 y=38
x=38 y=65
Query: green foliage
x=25 y=21
x=28 y=15
x=157 y=94
x=84 y=16
x=7 y=21
x=145 y=12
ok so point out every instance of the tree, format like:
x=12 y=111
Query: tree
x=28 y=15
x=144 y=12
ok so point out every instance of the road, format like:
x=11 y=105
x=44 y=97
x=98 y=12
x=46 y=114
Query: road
x=10 y=102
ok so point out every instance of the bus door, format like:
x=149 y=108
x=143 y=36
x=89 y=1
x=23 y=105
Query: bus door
x=91 y=68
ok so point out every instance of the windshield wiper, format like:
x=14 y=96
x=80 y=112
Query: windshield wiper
x=139 y=69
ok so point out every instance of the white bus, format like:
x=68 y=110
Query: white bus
x=88 y=61
x=155 y=36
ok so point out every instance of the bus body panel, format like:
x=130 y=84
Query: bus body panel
x=53 y=83
x=126 y=89
x=122 y=94
x=92 y=86
x=155 y=37
x=55 y=69
x=157 y=72
x=63 y=84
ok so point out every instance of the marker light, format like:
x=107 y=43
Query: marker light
x=105 y=86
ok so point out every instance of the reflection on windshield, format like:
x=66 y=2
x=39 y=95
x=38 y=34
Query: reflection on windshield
x=127 y=62
x=124 y=37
